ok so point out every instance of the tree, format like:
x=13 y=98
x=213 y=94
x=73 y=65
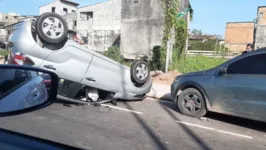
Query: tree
x=196 y=32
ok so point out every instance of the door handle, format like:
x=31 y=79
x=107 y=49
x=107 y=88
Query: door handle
x=90 y=79
x=50 y=67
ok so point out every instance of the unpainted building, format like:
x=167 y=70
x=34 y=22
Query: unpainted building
x=260 y=36
x=238 y=35
x=143 y=26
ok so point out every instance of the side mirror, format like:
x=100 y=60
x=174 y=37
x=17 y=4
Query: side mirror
x=222 y=71
x=25 y=88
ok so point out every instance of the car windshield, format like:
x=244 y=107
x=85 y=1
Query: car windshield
x=134 y=74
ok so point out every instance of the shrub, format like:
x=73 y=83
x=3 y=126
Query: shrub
x=197 y=63
x=156 y=64
x=114 y=53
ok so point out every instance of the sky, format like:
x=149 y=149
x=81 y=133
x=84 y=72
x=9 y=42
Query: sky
x=210 y=16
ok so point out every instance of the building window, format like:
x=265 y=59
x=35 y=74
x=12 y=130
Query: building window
x=135 y=1
x=65 y=10
x=73 y=11
x=86 y=15
x=6 y=17
x=75 y=23
x=53 y=9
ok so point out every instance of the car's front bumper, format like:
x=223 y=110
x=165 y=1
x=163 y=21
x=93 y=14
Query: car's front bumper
x=175 y=87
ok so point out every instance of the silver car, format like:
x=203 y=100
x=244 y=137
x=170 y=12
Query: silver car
x=84 y=74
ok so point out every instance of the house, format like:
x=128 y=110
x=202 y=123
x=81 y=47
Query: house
x=65 y=8
x=61 y=7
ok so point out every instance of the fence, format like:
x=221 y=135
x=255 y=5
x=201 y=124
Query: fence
x=210 y=53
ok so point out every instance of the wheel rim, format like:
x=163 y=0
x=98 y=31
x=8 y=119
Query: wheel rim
x=52 y=27
x=142 y=71
x=192 y=103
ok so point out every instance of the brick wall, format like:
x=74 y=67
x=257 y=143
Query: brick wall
x=238 y=34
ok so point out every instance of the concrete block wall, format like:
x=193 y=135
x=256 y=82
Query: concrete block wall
x=142 y=27
x=261 y=15
x=260 y=38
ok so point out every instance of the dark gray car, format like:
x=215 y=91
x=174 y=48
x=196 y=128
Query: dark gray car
x=236 y=87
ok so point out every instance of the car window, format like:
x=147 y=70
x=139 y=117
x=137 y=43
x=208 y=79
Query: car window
x=11 y=79
x=255 y=64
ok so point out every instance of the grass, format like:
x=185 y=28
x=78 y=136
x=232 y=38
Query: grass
x=190 y=64
x=197 y=63
x=3 y=52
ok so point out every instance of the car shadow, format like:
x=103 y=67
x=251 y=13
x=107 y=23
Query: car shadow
x=199 y=141
x=246 y=123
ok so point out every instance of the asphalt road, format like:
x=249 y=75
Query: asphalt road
x=142 y=125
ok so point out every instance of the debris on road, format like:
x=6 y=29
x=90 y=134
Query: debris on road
x=204 y=119
x=164 y=78
x=67 y=105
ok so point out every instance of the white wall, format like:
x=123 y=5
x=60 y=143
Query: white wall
x=106 y=16
x=105 y=26
x=58 y=7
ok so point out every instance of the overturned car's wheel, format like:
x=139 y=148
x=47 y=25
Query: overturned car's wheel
x=140 y=72
x=51 y=27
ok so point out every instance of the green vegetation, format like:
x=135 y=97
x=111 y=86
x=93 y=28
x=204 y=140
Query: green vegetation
x=114 y=53
x=197 y=63
x=207 y=45
x=184 y=65
x=3 y=52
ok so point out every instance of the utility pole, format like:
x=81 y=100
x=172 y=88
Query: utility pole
x=167 y=55
x=188 y=19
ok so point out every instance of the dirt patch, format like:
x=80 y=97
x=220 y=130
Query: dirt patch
x=164 y=78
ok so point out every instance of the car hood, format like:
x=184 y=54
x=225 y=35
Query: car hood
x=198 y=73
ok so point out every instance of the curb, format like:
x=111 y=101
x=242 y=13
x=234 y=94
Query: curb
x=160 y=95
x=160 y=91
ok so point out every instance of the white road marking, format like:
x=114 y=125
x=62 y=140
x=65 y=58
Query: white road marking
x=202 y=127
x=214 y=129
x=82 y=145
x=128 y=110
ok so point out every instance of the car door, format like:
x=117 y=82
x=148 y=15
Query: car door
x=242 y=89
x=105 y=74
x=69 y=63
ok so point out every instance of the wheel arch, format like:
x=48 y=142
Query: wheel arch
x=196 y=86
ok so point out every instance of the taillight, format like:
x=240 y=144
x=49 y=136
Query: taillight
x=20 y=59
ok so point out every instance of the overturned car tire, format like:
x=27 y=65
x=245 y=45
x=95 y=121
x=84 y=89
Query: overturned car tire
x=51 y=28
x=140 y=72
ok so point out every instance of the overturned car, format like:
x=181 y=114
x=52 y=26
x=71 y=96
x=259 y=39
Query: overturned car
x=84 y=74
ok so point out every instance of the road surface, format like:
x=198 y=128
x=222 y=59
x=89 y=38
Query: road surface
x=141 y=125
